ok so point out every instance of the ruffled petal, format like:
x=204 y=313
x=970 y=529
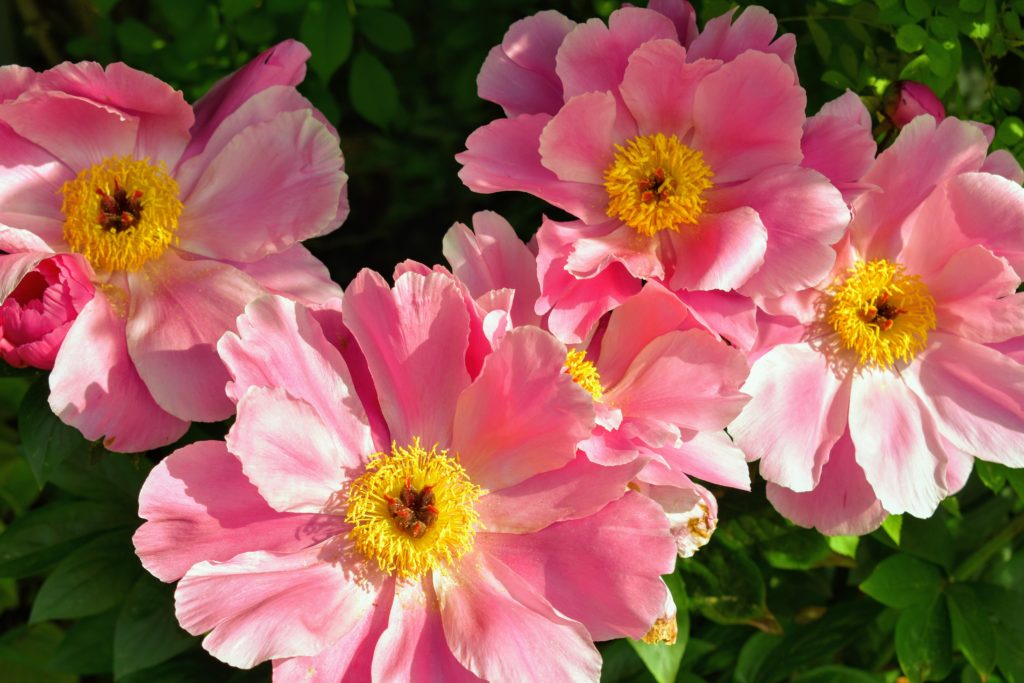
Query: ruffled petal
x=755 y=28
x=975 y=297
x=722 y=251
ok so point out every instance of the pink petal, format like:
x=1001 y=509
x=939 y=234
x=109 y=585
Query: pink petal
x=415 y=339
x=797 y=412
x=722 y=251
x=975 y=297
x=837 y=140
x=710 y=456
x=179 y=309
x=659 y=87
x=897 y=443
x=164 y=117
x=523 y=415
x=748 y=116
x=413 y=646
x=297 y=462
x=293 y=273
x=500 y=628
x=576 y=490
x=803 y=214
x=682 y=15
x=976 y=395
x=754 y=29
x=520 y=74
x=261 y=605
x=14 y=267
x=14 y=80
x=990 y=209
x=1001 y=162
x=730 y=315
x=282 y=179
x=640 y=254
x=105 y=397
x=578 y=144
x=603 y=570
x=199 y=506
x=30 y=182
x=686 y=378
x=843 y=502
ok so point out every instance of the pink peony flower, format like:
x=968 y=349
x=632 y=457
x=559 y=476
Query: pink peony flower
x=874 y=392
x=466 y=541
x=41 y=299
x=683 y=163
x=905 y=100
x=180 y=217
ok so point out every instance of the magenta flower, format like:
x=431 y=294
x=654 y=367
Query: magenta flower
x=906 y=100
x=874 y=392
x=439 y=526
x=683 y=163
x=180 y=219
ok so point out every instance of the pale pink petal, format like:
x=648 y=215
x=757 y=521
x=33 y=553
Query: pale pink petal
x=282 y=180
x=710 y=456
x=837 y=140
x=500 y=628
x=293 y=273
x=576 y=490
x=413 y=646
x=1012 y=348
x=78 y=132
x=640 y=254
x=261 y=605
x=748 y=116
x=687 y=378
x=164 y=117
x=976 y=395
x=1001 y=162
x=520 y=74
x=797 y=412
x=505 y=155
x=415 y=339
x=179 y=309
x=682 y=15
x=843 y=502
x=730 y=315
x=754 y=29
x=975 y=297
x=990 y=209
x=105 y=397
x=722 y=251
x=199 y=506
x=659 y=87
x=522 y=415
x=578 y=144
x=897 y=442
x=348 y=659
x=296 y=461
x=603 y=570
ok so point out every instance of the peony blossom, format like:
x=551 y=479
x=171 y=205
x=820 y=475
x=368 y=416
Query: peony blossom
x=905 y=100
x=179 y=217
x=682 y=162
x=464 y=541
x=41 y=299
x=874 y=391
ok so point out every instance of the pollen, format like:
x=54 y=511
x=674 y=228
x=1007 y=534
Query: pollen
x=584 y=373
x=657 y=183
x=881 y=313
x=121 y=213
x=413 y=510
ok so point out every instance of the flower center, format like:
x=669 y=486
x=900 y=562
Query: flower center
x=413 y=510
x=881 y=313
x=656 y=183
x=584 y=373
x=121 y=212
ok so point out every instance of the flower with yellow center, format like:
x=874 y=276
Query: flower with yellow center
x=121 y=213
x=413 y=510
x=657 y=183
x=584 y=373
x=881 y=313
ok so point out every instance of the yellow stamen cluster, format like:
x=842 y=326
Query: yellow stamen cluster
x=379 y=535
x=584 y=373
x=881 y=313
x=664 y=632
x=89 y=201
x=657 y=183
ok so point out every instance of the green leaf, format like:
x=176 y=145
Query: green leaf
x=943 y=28
x=18 y=487
x=621 y=663
x=822 y=43
x=372 y=90
x=796 y=549
x=992 y=475
x=725 y=585
x=385 y=29
x=104 y=6
x=25 y=651
x=326 y=30
x=256 y=29
x=232 y=9
x=901 y=581
x=924 y=643
x=972 y=6
x=1010 y=132
x=136 y=37
x=45 y=441
x=911 y=38
x=1016 y=476
x=147 y=633
x=1009 y=98
x=892 y=525
x=844 y=545
x=44 y=535
x=940 y=60
x=90 y=580
x=663 y=660
x=1007 y=609
x=88 y=646
x=919 y=9
x=8 y=594
x=928 y=539
x=973 y=631
x=837 y=674
x=103 y=476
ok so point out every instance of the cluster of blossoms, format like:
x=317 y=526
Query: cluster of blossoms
x=478 y=471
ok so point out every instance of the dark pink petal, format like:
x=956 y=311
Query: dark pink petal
x=95 y=387
x=682 y=15
x=722 y=251
x=578 y=144
x=754 y=29
x=199 y=506
x=730 y=315
x=603 y=570
x=523 y=415
x=837 y=140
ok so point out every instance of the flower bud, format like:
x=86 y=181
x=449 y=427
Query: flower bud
x=907 y=99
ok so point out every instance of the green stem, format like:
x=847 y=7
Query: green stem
x=977 y=560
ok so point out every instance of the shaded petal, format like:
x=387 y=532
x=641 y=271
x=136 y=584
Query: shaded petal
x=14 y=267
x=1002 y=162
x=711 y=456
x=293 y=273
x=837 y=141
x=755 y=28
x=640 y=254
x=730 y=315
x=723 y=251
